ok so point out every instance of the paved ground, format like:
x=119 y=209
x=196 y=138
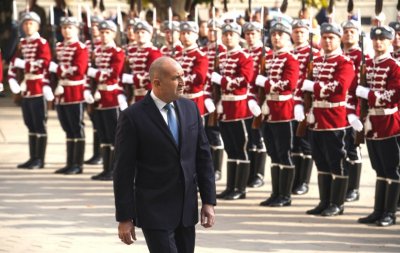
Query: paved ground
x=44 y=212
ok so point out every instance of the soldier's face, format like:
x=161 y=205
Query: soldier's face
x=95 y=30
x=230 y=39
x=188 y=38
x=142 y=37
x=330 y=42
x=350 y=36
x=211 y=34
x=381 y=45
x=30 y=27
x=279 y=39
x=252 y=37
x=106 y=36
x=396 y=41
x=300 y=35
x=130 y=33
x=69 y=32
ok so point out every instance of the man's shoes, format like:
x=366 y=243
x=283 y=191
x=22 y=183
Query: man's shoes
x=281 y=201
x=387 y=219
x=26 y=164
x=36 y=164
x=236 y=195
x=104 y=176
x=94 y=160
x=333 y=210
x=301 y=189
x=257 y=182
x=370 y=219
x=73 y=170
x=318 y=209
x=352 y=195
x=269 y=200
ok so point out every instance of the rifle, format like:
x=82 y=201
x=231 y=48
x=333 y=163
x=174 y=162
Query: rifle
x=53 y=46
x=216 y=89
x=18 y=53
x=155 y=36
x=261 y=91
x=93 y=86
x=171 y=28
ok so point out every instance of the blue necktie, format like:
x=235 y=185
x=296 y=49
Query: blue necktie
x=172 y=122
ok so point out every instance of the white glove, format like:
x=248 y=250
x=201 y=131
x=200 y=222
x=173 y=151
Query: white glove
x=260 y=80
x=1 y=87
x=19 y=63
x=123 y=104
x=209 y=104
x=299 y=113
x=92 y=72
x=216 y=78
x=14 y=86
x=308 y=86
x=48 y=93
x=127 y=78
x=53 y=67
x=362 y=92
x=355 y=122
x=87 y=95
x=254 y=107
x=97 y=95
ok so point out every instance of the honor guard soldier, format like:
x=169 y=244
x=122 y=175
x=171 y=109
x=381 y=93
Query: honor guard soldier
x=382 y=125
x=236 y=72
x=95 y=37
x=333 y=74
x=351 y=49
x=33 y=57
x=279 y=82
x=396 y=41
x=194 y=63
x=301 y=153
x=140 y=57
x=257 y=149
x=72 y=58
x=130 y=32
x=173 y=46
x=213 y=132
x=109 y=63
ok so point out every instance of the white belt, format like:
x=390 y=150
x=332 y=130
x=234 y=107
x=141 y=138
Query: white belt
x=193 y=95
x=382 y=111
x=140 y=92
x=106 y=87
x=33 y=76
x=233 y=97
x=66 y=82
x=277 y=97
x=326 y=104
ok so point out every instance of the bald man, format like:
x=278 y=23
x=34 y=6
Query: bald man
x=161 y=157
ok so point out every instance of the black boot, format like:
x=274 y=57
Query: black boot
x=259 y=167
x=286 y=178
x=252 y=173
x=32 y=150
x=338 y=194
x=108 y=173
x=297 y=160
x=380 y=192
x=70 y=157
x=353 y=193
x=77 y=162
x=392 y=195
x=217 y=156
x=305 y=174
x=38 y=162
x=97 y=157
x=324 y=188
x=230 y=179
x=105 y=151
x=241 y=178
x=275 y=186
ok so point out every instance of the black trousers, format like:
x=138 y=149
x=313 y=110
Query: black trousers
x=107 y=124
x=213 y=135
x=301 y=145
x=34 y=112
x=71 y=119
x=236 y=136
x=353 y=151
x=178 y=240
x=257 y=141
x=279 y=140
x=328 y=151
x=385 y=157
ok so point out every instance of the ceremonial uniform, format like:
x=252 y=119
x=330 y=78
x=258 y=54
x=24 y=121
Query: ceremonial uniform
x=35 y=52
x=176 y=53
x=174 y=48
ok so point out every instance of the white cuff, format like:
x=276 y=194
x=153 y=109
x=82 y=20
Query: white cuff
x=97 y=95
x=362 y=92
x=87 y=95
x=1 y=87
x=122 y=102
x=92 y=72
x=260 y=80
x=19 y=63
x=254 y=107
x=216 y=78
x=355 y=122
x=209 y=104
x=308 y=86
x=48 y=93
x=299 y=113
x=53 y=67
x=127 y=78
x=14 y=86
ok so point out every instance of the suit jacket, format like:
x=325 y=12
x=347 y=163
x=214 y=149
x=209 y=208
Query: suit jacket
x=155 y=180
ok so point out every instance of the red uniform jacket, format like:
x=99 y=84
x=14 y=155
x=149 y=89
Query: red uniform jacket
x=383 y=77
x=109 y=63
x=194 y=64
x=333 y=75
x=72 y=58
x=282 y=70
x=36 y=53
x=178 y=48
x=236 y=68
x=140 y=59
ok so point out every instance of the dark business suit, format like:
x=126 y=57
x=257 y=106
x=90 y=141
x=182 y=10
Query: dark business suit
x=166 y=176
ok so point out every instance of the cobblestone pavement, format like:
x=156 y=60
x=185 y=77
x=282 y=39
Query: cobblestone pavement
x=44 y=212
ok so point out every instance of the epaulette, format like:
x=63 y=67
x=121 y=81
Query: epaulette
x=82 y=45
x=43 y=40
x=118 y=49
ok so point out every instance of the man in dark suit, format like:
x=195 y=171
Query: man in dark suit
x=161 y=157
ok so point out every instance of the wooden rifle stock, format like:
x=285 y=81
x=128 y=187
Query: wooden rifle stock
x=360 y=136
x=256 y=124
x=216 y=94
x=307 y=101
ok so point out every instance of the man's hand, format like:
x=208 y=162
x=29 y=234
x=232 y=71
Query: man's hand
x=126 y=232
x=207 y=216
